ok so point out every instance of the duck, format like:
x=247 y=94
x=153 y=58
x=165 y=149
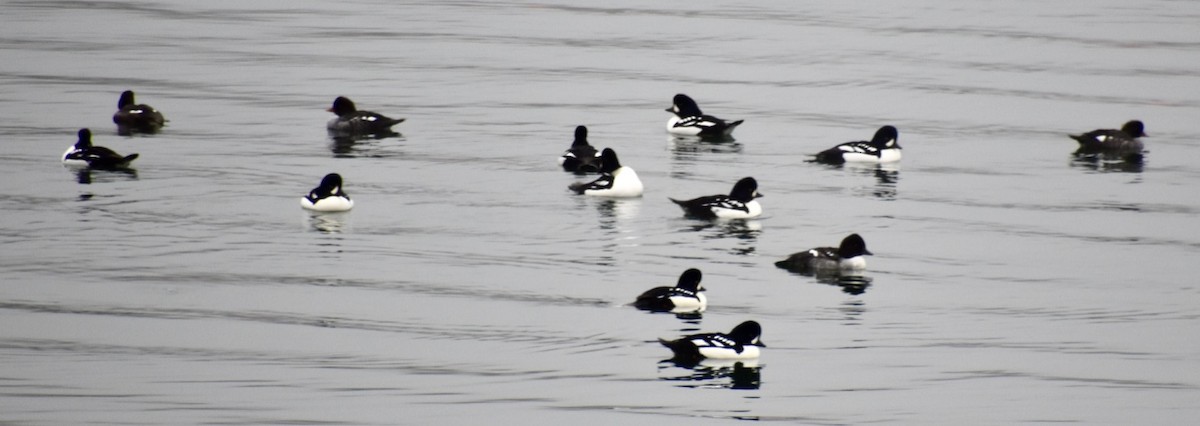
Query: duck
x=744 y=342
x=846 y=258
x=615 y=180
x=581 y=157
x=741 y=203
x=132 y=116
x=1124 y=143
x=84 y=154
x=686 y=296
x=884 y=147
x=328 y=196
x=687 y=120
x=352 y=121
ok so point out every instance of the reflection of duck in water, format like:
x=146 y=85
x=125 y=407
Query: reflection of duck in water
x=850 y=284
x=742 y=374
x=1113 y=144
x=686 y=296
x=847 y=258
x=742 y=343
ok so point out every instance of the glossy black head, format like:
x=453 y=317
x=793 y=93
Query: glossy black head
x=684 y=106
x=886 y=137
x=85 y=139
x=608 y=161
x=580 y=136
x=342 y=106
x=126 y=99
x=745 y=190
x=330 y=184
x=748 y=333
x=1134 y=129
x=852 y=246
x=690 y=280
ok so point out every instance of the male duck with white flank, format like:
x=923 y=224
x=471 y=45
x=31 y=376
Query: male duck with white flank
x=84 y=154
x=687 y=120
x=351 y=121
x=1123 y=144
x=743 y=343
x=686 y=296
x=615 y=180
x=846 y=258
x=328 y=197
x=581 y=157
x=883 y=148
x=741 y=203
x=132 y=116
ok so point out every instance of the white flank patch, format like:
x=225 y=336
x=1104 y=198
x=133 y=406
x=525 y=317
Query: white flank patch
x=328 y=204
x=625 y=184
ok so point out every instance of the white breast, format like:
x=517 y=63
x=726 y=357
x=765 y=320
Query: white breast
x=685 y=130
x=328 y=204
x=856 y=263
x=72 y=162
x=689 y=304
x=753 y=209
x=625 y=184
x=748 y=352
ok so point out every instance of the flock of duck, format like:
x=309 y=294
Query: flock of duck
x=615 y=180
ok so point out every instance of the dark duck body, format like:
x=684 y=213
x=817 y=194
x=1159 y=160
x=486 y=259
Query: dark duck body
x=687 y=295
x=1124 y=144
x=845 y=258
x=134 y=117
x=581 y=157
x=351 y=121
x=83 y=153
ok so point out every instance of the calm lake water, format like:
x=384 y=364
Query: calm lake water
x=1010 y=284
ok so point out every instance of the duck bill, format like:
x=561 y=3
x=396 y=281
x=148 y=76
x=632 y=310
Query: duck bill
x=330 y=109
x=868 y=252
x=671 y=109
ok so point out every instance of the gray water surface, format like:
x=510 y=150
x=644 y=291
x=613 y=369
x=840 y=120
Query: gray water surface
x=1010 y=283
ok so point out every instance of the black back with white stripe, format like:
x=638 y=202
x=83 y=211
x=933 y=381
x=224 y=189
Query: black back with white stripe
x=690 y=116
x=744 y=191
x=97 y=157
x=885 y=138
x=658 y=299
